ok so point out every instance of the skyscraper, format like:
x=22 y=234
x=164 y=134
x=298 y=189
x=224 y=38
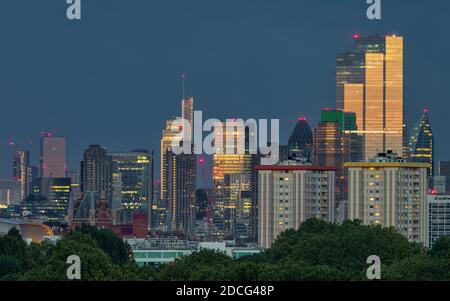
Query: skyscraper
x=96 y=172
x=231 y=157
x=300 y=145
x=334 y=144
x=187 y=113
x=135 y=168
x=22 y=172
x=53 y=156
x=181 y=190
x=421 y=143
x=369 y=82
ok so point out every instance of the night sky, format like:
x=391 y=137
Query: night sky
x=113 y=78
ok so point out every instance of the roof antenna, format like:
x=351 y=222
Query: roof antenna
x=183 y=76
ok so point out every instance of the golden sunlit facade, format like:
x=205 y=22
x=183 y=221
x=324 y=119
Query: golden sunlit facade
x=369 y=82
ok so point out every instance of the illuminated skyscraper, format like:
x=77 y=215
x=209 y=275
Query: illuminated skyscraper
x=181 y=189
x=369 y=82
x=22 y=172
x=231 y=157
x=300 y=145
x=53 y=156
x=135 y=168
x=187 y=113
x=421 y=144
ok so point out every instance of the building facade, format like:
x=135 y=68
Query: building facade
x=388 y=191
x=289 y=194
x=438 y=217
x=53 y=156
x=22 y=172
x=369 y=82
x=421 y=143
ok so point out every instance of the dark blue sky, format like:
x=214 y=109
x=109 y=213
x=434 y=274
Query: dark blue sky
x=113 y=77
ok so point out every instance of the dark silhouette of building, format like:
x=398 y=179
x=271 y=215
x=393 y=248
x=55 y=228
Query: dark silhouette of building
x=300 y=143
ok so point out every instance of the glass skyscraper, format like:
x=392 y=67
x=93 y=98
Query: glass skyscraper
x=421 y=144
x=369 y=82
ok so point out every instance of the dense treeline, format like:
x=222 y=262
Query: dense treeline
x=316 y=251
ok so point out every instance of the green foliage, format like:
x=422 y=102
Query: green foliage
x=115 y=247
x=317 y=251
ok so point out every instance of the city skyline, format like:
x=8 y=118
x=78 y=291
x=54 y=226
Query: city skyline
x=155 y=83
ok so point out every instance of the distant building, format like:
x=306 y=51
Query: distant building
x=421 y=144
x=22 y=172
x=181 y=188
x=96 y=172
x=388 y=191
x=53 y=156
x=136 y=169
x=52 y=196
x=438 y=218
x=444 y=171
x=291 y=193
x=231 y=157
x=336 y=142
x=300 y=145
x=10 y=192
x=369 y=82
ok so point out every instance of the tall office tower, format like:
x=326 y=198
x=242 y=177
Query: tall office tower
x=289 y=194
x=336 y=142
x=438 y=210
x=231 y=157
x=22 y=172
x=9 y=193
x=300 y=145
x=136 y=180
x=421 y=143
x=181 y=188
x=96 y=172
x=168 y=137
x=239 y=205
x=53 y=156
x=391 y=192
x=75 y=185
x=187 y=113
x=369 y=82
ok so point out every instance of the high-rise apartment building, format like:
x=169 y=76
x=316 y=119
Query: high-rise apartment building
x=289 y=194
x=369 y=82
x=421 y=143
x=53 y=156
x=391 y=192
